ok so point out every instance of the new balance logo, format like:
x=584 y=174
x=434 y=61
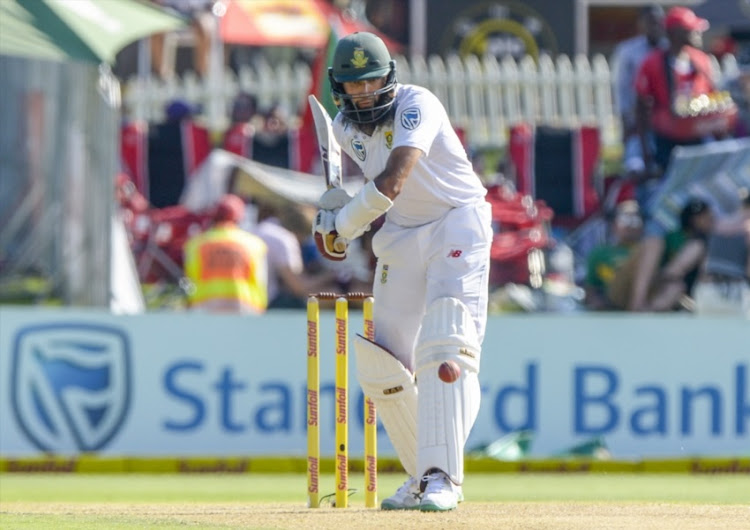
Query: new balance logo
x=454 y=254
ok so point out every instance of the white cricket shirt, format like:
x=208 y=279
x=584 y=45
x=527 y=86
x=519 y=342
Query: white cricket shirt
x=441 y=180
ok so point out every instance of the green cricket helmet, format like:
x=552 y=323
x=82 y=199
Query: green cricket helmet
x=358 y=57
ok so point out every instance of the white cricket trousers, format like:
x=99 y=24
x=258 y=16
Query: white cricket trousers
x=415 y=266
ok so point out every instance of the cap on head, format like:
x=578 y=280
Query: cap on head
x=359 y=56
x=179 y=109
x=229 y=208
x=682 y=17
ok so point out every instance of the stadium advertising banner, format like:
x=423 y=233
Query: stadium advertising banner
x=501 y=28
x=75 y=382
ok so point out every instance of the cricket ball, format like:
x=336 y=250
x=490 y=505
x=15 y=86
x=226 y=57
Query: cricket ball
x=448 y=372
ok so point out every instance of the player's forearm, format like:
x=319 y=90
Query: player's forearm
x=377 y=196
x=400 y=164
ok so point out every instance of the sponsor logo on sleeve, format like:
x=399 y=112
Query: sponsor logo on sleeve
x=411 y=118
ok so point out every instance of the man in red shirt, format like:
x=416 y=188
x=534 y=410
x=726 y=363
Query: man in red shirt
x=665 y=84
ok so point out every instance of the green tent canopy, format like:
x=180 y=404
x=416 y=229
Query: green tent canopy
x=81 y=30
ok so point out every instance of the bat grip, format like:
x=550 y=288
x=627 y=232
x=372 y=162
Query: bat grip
x=339 y=244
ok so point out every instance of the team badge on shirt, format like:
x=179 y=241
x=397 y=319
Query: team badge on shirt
x=384 y=275
x=411 y=118
x=359 y=149
x=389 y=140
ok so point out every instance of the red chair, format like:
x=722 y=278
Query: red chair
x=160 y=158
x=558 y=166
x=134 y=153
x=520 y=226
x=159 y=255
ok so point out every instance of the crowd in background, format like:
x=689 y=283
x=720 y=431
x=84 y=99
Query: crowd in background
x=634 y=264
x=645 y=267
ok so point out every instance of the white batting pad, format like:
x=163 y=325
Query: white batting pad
x=391 y=387
x=446 y=411
x=448 y=332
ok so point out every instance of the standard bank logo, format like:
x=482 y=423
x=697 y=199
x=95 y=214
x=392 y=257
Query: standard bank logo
x=411 y=118
x=358 y=147
x=70 y=385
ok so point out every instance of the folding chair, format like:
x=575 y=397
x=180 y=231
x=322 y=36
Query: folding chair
x=558 y=166
x=521 y=234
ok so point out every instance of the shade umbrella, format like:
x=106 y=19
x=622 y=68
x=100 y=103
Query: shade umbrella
x=92 y=31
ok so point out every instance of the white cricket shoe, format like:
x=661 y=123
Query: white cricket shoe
x=440 y=494
x=407 y=497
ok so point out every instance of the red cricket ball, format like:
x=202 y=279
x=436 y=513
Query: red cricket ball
x=449 y=371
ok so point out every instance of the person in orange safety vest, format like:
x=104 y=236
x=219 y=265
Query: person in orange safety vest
x=227 y=265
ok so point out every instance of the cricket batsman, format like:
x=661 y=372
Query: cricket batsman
x=431 y=280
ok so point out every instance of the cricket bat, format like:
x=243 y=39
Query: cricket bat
x=330 y=150
x=330 y=155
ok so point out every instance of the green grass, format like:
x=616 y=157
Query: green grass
x=221 y=502
x=289 y=488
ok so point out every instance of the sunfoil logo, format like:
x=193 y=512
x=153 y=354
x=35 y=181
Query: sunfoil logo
x=70 y=385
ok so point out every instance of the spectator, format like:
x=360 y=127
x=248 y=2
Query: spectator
x=665 y=85
x=604 y=260
x=176 y=148
x=198 y=12
x=666 y=82
x=227 y=265
x=724 y=285
x=679 y=256
x=627 y=59
x=289 y=283
x=275 y=143
x=238 y=138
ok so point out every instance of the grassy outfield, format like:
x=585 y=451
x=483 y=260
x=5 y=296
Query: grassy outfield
x=278 y=501
x=290 y=488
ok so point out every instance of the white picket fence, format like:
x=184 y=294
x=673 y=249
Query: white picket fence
x=483 y=96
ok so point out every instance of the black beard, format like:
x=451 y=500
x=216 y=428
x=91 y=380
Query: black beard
x=368 y=127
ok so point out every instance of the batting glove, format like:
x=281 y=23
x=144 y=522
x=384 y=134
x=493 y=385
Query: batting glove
x=327 y=239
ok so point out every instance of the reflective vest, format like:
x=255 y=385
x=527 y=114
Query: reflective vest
x=228 y=269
